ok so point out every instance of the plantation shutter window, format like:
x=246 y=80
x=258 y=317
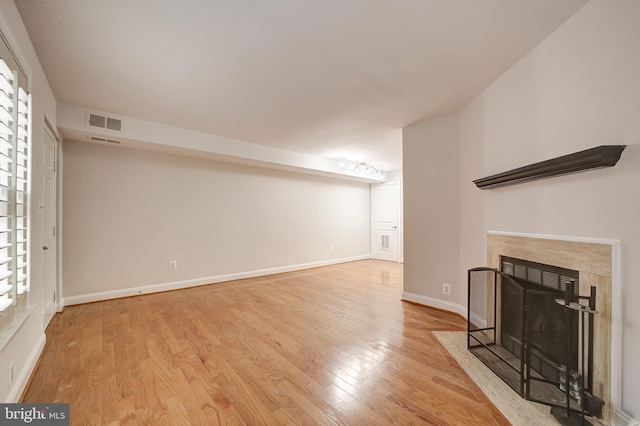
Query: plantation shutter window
x=14 y=185
x=6 y=168
x=20 y=173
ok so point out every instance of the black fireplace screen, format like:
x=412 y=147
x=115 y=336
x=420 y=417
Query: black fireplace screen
x=527 y=325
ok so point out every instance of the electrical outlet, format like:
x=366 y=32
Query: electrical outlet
x=173 y=264
x=333 y=249
x=446 y=289
x=11 y=376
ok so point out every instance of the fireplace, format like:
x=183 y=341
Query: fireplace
x=539 y=336
x=558 y=338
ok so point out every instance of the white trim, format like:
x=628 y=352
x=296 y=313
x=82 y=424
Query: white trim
x=435 y=303
x=59 y=233
x=6 y=32
x=50 y=131
x=59 y=228
x=176 y=285
x=616 y=326
x=478 y=321
x=23 y=378
x=558 y=237
x=620 y=418
x=616 y=305
x=19 y=318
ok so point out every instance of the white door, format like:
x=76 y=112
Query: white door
x=385 y=214
x=48 y=211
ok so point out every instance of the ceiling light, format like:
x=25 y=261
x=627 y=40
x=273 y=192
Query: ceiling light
x=359 y=167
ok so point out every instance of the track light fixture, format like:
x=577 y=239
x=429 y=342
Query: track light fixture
x=358 y=167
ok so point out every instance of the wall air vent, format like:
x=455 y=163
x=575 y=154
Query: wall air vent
x=98 y=139
x=114 y=124
x=100 y=121
x=97 y=121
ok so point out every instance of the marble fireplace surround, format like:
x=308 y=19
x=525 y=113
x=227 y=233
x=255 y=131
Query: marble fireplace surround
x=599 y=263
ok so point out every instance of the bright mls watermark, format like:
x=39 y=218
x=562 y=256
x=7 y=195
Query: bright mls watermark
x=34 y=414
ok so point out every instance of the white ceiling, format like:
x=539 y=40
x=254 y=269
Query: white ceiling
x=333 y=78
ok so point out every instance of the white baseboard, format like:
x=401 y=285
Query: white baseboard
x=478 y=321
x=176 y=285
x=435 y=303
x=23 y=377
x=620 y=418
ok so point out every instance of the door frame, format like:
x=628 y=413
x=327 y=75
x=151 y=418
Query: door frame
x=57 y=208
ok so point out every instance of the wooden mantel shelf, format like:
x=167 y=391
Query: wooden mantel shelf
x=589 y=159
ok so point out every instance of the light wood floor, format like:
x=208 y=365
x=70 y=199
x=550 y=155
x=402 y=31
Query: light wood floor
x=332 y=345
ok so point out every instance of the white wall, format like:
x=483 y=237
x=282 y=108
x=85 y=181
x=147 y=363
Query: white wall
x=127 y=213
x=432 y=212
x=578 y=89
x=26 y=344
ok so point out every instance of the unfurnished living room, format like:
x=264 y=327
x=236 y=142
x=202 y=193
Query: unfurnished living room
x=300 y=212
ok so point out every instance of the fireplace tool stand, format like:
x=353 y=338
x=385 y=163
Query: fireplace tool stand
x=578 y=385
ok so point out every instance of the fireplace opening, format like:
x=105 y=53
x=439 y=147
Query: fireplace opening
x=529 y=324
x=549 y=340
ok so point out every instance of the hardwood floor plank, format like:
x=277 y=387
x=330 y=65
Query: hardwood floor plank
x=208 y=396
x=178 y=412
x=126 y=412
x=109 y=402
x=332 y=345
x=244 y=397
x=310 y=410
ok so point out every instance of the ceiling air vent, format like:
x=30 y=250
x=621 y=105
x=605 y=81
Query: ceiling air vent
x=99 y=121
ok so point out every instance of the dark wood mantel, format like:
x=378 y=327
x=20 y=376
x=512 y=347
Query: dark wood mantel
x=589 y=159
